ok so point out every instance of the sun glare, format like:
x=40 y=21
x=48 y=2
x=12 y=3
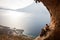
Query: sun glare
x=14 y=19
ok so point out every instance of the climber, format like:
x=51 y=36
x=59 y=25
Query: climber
x=47 y=27
x=45 y=30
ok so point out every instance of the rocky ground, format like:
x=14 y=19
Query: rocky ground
x=8 y=34
x=10 y=37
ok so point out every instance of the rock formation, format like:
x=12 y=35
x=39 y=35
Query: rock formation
x=9 y=31
x=13 y=34
x=53 y=7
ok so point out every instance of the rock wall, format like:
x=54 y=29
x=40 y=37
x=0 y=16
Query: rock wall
x=53 y=7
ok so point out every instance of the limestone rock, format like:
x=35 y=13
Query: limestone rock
x=53 y=7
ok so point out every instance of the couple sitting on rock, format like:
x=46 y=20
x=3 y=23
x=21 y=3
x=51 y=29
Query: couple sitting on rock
x=45 y=30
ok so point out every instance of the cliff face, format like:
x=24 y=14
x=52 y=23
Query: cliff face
x=53 y=7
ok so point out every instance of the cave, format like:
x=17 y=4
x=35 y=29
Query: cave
x=53 y=7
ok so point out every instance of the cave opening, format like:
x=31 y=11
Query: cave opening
x=44 y=16
x=53 y=7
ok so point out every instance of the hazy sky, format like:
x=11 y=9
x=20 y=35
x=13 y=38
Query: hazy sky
x=31 y=18
x=15 y=4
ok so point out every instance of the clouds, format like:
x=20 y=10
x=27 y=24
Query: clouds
x=15 y=4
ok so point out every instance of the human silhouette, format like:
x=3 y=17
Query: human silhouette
x=45 y=30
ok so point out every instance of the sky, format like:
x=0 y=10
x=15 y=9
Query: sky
x=15 y=4
x=29 y=16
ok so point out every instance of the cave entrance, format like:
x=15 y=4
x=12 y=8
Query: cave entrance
x=54 y=9
x=42 y=18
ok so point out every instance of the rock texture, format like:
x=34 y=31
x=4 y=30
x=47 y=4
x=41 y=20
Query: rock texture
x=13 y=34
x=9 y=31
x=11 y=37
x=53 y=7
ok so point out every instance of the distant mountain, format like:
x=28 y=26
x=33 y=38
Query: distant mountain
x=1 y=8
x=33 y=8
